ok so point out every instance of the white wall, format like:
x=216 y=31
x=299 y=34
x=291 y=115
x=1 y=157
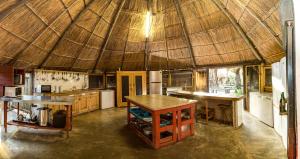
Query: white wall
x=279 y=86
x=297 y=38
x=44 y=77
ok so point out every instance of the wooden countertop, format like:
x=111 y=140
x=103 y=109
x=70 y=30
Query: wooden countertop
x=69 y=93
x=205 y=95
x=159 y=102
x=51 y=100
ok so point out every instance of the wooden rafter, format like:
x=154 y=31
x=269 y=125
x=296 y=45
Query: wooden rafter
x=77 y=54
x=211 y=39
x=16 y=56
x=261 y=21
x=239 y=29
x=185 y=32
x=61 y=37
x=146 y=55
x=166 y=42
x=124 y=52
x=108 y=35
x=66 y=8
x=5 y=13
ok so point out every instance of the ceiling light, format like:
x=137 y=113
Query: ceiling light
x=148 y=24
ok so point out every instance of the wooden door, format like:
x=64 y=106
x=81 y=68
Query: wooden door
x=130 y=83
x=124 y=87
x=139 y=83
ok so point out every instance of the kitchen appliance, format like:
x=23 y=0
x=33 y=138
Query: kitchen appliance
x=59 y=119
x=12 y=91
x=155 y=82
x=107 y=99
x=45 y=88
x=44 y=114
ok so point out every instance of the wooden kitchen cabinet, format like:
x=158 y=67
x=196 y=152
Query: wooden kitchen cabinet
x=83 y=104
x=84 y=101
x=93 y=101
x=130 y=83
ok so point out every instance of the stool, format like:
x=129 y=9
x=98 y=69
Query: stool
x=223 y=108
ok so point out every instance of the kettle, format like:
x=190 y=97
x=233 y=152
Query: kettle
x=44 y=114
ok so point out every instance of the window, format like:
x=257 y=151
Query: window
x=226 y=80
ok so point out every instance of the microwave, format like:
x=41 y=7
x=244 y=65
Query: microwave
x=45 y=88
x=12 y=91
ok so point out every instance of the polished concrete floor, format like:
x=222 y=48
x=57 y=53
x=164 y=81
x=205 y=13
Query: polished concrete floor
x=103 y=134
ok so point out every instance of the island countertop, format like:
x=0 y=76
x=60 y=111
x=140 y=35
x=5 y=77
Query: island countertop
x=159 y=102
x=51 y=100
x=207 y=95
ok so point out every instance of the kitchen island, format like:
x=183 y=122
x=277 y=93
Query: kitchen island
x=235 y=102
x=67 y=101
x=161 y=120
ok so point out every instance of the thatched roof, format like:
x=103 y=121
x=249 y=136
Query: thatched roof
x=106 y=35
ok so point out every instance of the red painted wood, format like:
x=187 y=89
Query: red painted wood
x=128 y=112
x=175 y=127
x=6 y=77
x=189 y=122
x=155 y=129
x=193 y=107
x=5 y=115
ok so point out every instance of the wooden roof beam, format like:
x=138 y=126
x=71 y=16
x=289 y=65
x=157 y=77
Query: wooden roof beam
x=16 y=56
x=11 y=9
x=108 y=35
x=261 y=21
x=239 y=29
x=62 y=35
x=185 y=32
x=124 y=52
x=78 y=53
x=146 y=54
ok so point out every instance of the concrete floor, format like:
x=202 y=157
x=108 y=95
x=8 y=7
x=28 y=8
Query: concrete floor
x=102 y=134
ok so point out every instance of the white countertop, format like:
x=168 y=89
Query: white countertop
x=53 y=100
x=208 y=95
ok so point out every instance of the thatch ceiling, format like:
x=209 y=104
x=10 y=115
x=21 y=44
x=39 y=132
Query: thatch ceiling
x=87 y=35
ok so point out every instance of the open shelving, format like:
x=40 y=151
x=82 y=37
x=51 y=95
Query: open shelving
x=141 y=119
x=33 y=126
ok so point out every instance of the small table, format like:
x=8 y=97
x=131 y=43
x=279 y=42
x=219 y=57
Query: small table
x=48 y=100
x=158 y=105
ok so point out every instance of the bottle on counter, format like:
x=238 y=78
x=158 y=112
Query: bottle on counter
x=282 y=103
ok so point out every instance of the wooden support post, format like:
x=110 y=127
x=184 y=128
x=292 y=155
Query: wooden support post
x=128 y=112
x=68 y=126
x=179 y=124
x=155 y=129
x=234 y=117
x=174 y=123
x=206 y=110
x=192 y=118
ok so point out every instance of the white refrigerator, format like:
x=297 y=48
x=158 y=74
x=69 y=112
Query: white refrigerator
x=155 y=82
